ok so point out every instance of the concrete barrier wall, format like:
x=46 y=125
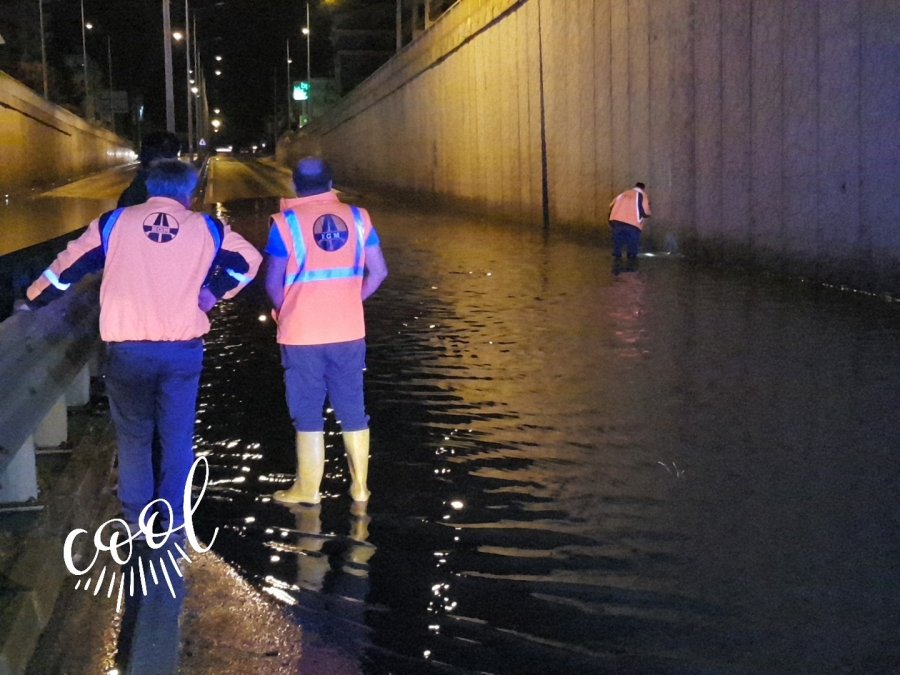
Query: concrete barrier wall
x=766 y=130
x=42 y=144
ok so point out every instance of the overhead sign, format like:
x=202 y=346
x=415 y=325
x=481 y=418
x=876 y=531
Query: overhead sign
x=301 y=91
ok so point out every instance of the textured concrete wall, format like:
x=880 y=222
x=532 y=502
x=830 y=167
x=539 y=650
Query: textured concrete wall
x=41 y=143
x=766 y=130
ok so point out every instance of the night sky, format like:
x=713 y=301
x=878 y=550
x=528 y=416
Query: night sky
x=250 y=35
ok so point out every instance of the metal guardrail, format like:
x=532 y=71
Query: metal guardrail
x=44 y=355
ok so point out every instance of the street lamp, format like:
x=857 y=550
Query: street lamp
x=109 y=102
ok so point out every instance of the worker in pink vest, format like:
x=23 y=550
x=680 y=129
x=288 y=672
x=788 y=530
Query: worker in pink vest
x=626 y=218
x=164 y=267
x=323 y=260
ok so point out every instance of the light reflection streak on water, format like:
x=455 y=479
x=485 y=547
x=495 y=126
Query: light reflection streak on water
x=580 y=470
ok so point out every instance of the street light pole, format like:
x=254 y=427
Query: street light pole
x=112 y=115
x=43 y=48
x=398 y=19
x=187 y=77
x=289 y=87
x=308 y=68
x=88 y=102
x=167 y=53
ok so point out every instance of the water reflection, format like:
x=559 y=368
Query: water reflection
x=672 y=469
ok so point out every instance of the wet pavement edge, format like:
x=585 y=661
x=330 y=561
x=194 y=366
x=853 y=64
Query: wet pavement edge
x=46 y=626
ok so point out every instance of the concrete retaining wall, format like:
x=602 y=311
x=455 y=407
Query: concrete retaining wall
x=42 y=144
x=766 y=130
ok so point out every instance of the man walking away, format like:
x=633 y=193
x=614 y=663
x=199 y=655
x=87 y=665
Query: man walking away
x=164 y=266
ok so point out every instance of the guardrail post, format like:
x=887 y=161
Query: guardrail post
x=44 y=364
x=79 y=392
x=53 y=430
x=18 y=483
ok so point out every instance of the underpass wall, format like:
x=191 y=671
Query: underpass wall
x=43 y=144
x=764 y=129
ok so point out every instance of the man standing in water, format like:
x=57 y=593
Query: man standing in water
x=323 y=260
x=626 y=218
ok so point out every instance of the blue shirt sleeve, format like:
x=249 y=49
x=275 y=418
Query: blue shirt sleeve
x=373 y=239
x=275 y=246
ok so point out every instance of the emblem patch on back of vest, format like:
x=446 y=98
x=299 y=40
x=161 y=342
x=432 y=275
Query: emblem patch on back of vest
x=161 y=228
x=330 y=232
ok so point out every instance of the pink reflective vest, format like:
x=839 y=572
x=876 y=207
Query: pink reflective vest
x=624 y=208
x=325 y=241
x=155 y=257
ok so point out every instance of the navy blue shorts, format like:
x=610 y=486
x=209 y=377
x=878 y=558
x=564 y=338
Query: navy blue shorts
x=312 y=372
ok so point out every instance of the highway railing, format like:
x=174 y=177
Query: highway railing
x=45 y=358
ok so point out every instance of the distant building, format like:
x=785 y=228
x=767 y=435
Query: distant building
x=366 y=33
x=20 y=48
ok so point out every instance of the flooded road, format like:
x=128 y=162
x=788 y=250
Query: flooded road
x=673 y=470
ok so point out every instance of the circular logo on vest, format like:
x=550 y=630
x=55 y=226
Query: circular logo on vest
x=161 y=228
x=330 y=232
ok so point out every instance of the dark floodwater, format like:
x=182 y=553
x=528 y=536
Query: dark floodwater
x=677 y=470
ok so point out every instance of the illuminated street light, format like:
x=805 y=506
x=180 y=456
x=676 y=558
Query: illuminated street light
x=178 y=36
x=89 y=25
x=218 y=72
x=218 y=58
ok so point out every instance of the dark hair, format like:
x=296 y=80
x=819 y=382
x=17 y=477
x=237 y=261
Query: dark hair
x=159 y=145
x=312 y=176
x=171 y=178
x=640 y=185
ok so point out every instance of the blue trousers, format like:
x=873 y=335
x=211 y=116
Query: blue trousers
x=313 y=371
x=625 y=236
x=152 y=387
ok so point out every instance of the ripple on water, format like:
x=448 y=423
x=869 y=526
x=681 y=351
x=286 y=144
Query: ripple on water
x=574 y=471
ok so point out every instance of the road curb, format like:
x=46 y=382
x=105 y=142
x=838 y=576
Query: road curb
x=32 y=583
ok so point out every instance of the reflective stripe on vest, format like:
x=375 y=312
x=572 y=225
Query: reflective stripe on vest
x=303 y=275
x=53 y=279
x=107 y=228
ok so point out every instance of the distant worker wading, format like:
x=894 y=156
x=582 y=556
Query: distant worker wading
x=323 y=260
x=626 y=218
